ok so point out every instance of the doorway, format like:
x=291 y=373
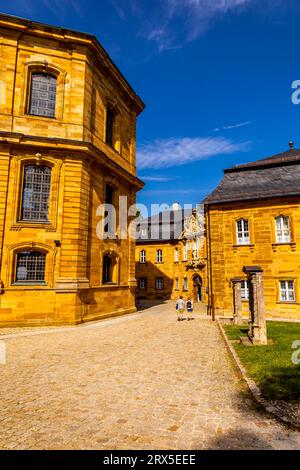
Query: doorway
x=197 y=283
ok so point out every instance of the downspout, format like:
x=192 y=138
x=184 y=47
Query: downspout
x=9 y=162
x=211 y=307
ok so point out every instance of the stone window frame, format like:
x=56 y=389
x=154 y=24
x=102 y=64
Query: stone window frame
x=159 y=286
x=113 y=184
x=114 y=107
x=185 y=285
x=143 y=256
x=245 y=289
x=176 y=284
x=246 y=241
x=279 y=289
x=116 y=268
x=17 y=169
x=43 y=194
x=47 y=68
x=159 y=259
x=145 y=283
x=176 y=254
x=274 y=231
x=11 y=259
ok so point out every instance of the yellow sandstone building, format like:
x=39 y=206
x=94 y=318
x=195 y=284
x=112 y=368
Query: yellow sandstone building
x=253 y=219
x=171 y=256
x=67 y=145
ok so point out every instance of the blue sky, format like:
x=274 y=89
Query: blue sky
x=215 y=75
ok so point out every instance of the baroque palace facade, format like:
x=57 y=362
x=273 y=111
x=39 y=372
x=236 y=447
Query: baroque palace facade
x=67 y=144
x=170 y=256
x=251 y=219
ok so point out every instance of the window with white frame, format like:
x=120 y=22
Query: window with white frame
x=143 y=256
x=185 y=284
x=176 y=283
x=159 y=256
x=244 y=290
x=143 y=283
x=176 y=255
x=159 y=283
x=242 y=232
x=287 y=291
x=283 y=232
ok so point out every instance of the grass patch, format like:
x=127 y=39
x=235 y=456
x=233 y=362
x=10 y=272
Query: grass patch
x=271 y=366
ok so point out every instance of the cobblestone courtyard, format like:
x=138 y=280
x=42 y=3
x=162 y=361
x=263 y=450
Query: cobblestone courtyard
x=143 y=381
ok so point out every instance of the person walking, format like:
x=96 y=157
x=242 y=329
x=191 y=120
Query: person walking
x=180 y=305
x=189 y=308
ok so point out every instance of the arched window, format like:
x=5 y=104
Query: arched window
x=36 y=191
x=143 y=256
x=283 y=232
x=110 y=269
x=242 y=232
x=42 y=95
x=30 y=266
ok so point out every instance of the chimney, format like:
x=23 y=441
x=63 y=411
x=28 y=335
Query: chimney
x=291 y=144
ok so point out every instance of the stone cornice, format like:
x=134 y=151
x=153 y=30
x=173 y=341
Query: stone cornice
x=18 y=142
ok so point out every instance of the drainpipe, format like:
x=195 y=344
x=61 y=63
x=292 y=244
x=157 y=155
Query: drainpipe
x=211 y=306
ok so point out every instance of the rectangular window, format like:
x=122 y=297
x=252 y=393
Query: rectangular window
x=159 y=283
x=107 y=270
x=287 y=291
x=185 y=284
x=109 y=213
x=283 y=234
x=176 y=283
x=36 y=191
x=244 y=290
x=42 y=95
x=30 y=266
x=109 y=126
x=243 y=234
x=159 y=256
x=143 y=283
x=143 y=256
x=176 y=257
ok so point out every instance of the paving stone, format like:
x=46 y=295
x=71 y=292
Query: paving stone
x=141 y=382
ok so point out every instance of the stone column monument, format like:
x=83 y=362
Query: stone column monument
x=257 y=315
x=237 y=301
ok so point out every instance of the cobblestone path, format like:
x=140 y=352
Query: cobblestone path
x=144 y=381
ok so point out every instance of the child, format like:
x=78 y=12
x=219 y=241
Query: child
x=189 y=307
x=180 y=308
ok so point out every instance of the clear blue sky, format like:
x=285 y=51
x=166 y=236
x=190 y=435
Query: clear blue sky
x=215 y=75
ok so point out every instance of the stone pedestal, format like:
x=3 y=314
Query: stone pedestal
x=257 y=315
x=237 y=301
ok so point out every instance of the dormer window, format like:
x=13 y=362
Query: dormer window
x=242 y=232
x=283 y=233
